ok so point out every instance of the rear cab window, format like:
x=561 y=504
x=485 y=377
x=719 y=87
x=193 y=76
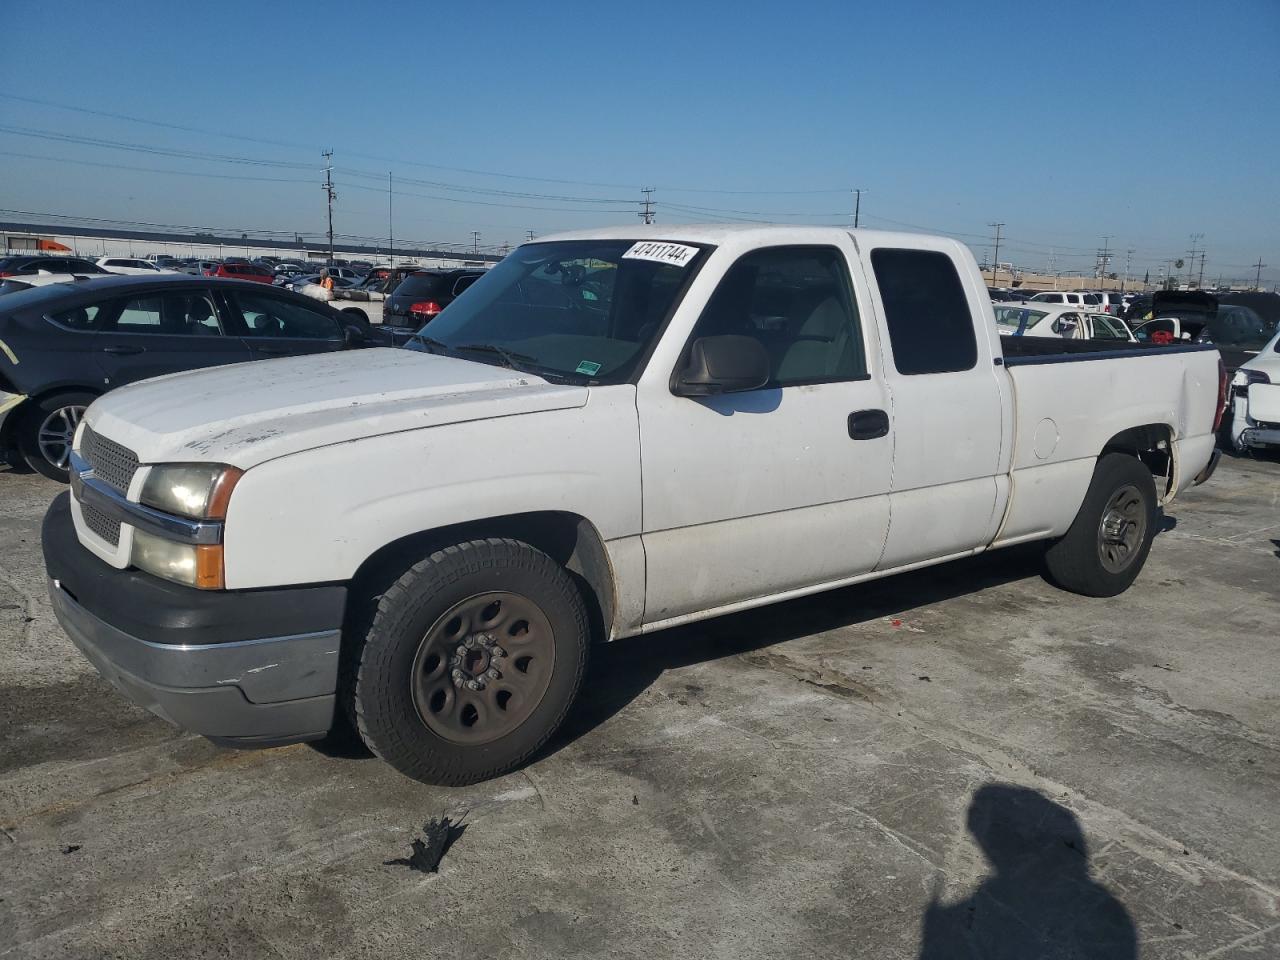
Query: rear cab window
x=930 y=326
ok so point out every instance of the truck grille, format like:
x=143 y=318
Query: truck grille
x=101 y=524
x=112 y=464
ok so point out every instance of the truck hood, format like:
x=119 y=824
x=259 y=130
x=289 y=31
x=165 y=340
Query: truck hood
x=247 y=413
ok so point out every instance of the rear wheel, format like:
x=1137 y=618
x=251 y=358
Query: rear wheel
x=470 y=662
x=1107 y=545
x=47 y=430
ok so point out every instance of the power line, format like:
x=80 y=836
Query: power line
x=381 y=159
x=148 y=149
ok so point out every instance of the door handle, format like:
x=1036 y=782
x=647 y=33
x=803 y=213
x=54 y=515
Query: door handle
x=280 y=351
x=121 y=350
x=868 y=424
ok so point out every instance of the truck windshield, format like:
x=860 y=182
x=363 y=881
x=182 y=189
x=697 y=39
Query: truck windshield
x=580 y=310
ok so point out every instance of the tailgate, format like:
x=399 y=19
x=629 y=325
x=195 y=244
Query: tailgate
x=1264 y=402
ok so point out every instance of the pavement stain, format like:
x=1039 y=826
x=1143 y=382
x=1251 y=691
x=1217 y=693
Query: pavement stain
x=832 y=681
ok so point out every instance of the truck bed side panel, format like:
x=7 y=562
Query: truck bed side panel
x=1066 y=412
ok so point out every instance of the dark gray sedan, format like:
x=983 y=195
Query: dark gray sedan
x=64 y=344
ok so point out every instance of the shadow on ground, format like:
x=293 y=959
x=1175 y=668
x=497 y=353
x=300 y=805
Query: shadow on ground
x=622 y=670
x=1039 y=900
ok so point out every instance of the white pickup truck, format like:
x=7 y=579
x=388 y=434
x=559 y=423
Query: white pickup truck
x=612 y=432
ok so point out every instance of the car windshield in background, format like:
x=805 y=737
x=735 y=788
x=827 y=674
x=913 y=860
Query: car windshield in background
x=420 y=285
x=1018 y=318
x=583 y=310
x=1239 y=327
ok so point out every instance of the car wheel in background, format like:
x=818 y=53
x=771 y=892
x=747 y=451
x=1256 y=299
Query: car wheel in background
x=47 y=429
x=469 y=662
x=1107 y=545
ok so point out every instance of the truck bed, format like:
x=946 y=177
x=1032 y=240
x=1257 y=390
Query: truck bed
x=1021 y=351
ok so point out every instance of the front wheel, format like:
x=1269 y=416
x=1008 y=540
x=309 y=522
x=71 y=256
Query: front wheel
x=47 y=429
x=470 y=663
x=1107 y=545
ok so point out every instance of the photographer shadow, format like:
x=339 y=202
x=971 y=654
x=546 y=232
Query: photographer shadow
x=1040 y=901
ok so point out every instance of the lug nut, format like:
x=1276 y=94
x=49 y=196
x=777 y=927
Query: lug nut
x=493 y=674
x=474 y=685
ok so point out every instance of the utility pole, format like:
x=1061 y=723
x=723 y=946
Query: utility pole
x=529 y=235
x=1104 y=258
x=857 y=206
x=1192 y=254
x=1200 y=281
x=1257 y=276
x=328 y=190
x=1128 y=257
x=475 y=242
x=646 y=214
x=391 y=232
x=995 y=259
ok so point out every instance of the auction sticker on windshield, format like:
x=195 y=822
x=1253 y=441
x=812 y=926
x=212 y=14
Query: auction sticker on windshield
x=676 y=254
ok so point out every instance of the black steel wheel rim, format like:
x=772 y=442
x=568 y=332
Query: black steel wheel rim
x=483 y=667
x=1122 y=529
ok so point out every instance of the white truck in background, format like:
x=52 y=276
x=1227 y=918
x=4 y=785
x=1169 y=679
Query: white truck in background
x=612 y=432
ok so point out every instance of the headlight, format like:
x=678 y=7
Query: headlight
x=185 y=563
x=200 y=491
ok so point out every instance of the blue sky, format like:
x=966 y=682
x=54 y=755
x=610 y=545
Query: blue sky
x=1147 y=122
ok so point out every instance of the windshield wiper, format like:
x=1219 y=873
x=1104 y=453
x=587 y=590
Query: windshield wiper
x=430 y=342
x=509 y=358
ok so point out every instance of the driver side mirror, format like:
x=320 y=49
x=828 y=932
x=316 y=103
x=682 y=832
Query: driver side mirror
x=352 y=337
x=723 y=364
x=1064 y=326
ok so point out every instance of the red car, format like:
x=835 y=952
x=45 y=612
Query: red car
x=242 y=271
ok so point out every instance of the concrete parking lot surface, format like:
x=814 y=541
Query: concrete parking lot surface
x=959 y=762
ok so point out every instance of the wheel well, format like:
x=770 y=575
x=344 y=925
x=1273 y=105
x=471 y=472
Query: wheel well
x=357 y=311
x=11 y=422
x=572 y=541
x=1152 y=443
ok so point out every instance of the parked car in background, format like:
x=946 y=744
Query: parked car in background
x=14 y=284
x=26 y=265
x=345 y=273
x=1059 y=296
x=242 y=271
x=131 y=266
x=308 y=279
x=286 y=273
x=69 y=343
x=1066 y=322
x=1255 y=400
x=1179 y=316
x=1111 y=301
x=423 y=294
x=200 y=268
